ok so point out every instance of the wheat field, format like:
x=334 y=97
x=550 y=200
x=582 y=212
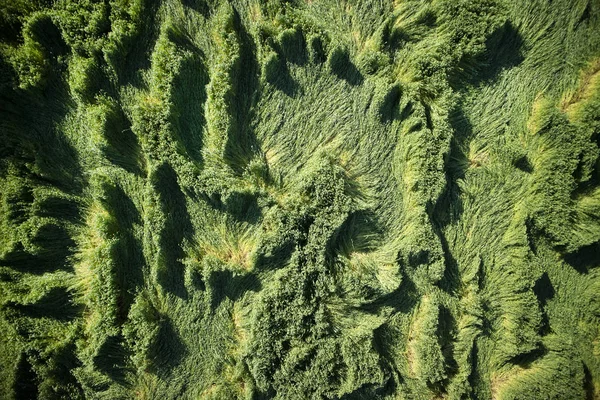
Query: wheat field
x=300 y=199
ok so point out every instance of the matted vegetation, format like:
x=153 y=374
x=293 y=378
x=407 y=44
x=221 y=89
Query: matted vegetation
x=289 y=199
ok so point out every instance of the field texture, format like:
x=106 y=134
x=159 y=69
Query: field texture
x=320 y=199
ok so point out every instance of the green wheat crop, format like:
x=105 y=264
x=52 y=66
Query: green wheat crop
x=300 y=199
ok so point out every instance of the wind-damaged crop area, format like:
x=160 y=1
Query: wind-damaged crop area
x=300 y=199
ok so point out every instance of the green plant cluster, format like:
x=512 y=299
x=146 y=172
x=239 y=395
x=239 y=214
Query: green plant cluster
x=285 y=199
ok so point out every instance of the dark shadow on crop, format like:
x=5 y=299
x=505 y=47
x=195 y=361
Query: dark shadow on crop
x=416 y=257
x=585 y=15
x=55 y=241
x=588 y=383
x=317 y=50
x=128 y=254
x=523 y=164
x=56 y=304
x=402 y=300
x=177 y=226
x=31 y=140
x=393 y=38
x=242 y=146
x=55 y=246
x=486 y=321
x=342 y=67
x=167 y=349
x=365 y=392
x=30 y=135
x=122 y=207
x=447 y=330
x=448 y=207
x=48 y=35
x=123 y=147
x=25 y=385
x=389 y=108
x=277 y=257
x=134 y=53
x=56 y=159
x=200 y=6
x=451 y=280
x=585 y=258
x=64 y=362
x=189 y=96
x=60 y=208
x=526 y=359
x=293 y=46
x=22 y=261
x=197 y=280
x=11 y=25
x=278 y=74
x=212 y=199
x=8 y=277
x=383 y=340
x=189 y=99
x=544 y=291
x=578 y=173
x=97 y=81
x=474 y=377
x=428 y=18
x=504 y=50
x=586 y=188
x=532 y=234
x=407 y=111
x=19 y=203
x=223 y=284
x=244 y=207
x=112 y=358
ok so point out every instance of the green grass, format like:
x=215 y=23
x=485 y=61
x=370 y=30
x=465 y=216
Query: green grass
x=319 y=199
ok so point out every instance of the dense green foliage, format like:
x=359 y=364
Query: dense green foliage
x=286 y=199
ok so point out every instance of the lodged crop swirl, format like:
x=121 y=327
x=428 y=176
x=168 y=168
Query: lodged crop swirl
x=300 y=199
